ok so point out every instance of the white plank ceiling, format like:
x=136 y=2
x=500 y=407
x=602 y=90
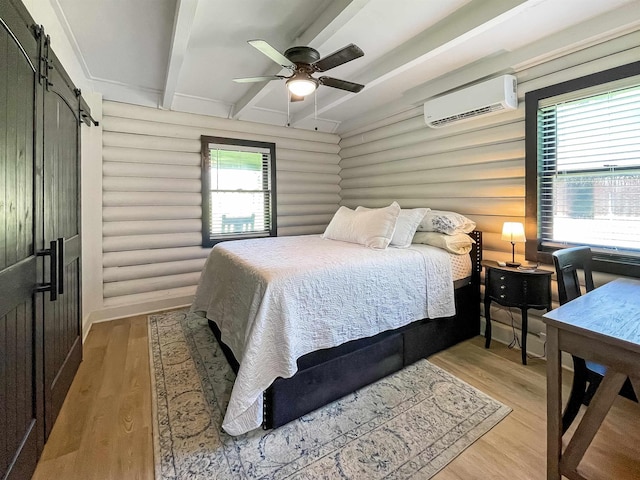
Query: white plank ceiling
x=183 y=54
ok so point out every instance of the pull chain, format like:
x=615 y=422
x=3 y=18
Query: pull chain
x=288 y=104
x=315 y=108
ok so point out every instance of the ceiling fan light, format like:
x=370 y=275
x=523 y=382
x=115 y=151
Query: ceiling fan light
x=301 y=86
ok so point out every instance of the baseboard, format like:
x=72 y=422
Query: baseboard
x=115 y=313
x=535 y=345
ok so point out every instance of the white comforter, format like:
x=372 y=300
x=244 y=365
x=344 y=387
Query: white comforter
x=277 y=299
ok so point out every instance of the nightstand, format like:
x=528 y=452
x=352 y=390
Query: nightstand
x=511 y=287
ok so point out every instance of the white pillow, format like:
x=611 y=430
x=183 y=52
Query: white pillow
x=446 y=222
x=459 y=243
x=371 y=228
x=408 y=222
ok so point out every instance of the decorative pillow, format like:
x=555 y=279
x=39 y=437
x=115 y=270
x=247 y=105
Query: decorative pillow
x=408 y=222
x=446 y=222
x=371 y=228
x=459 y=243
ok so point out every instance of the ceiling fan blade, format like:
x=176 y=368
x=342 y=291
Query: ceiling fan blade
x=257 y=79
x=344 y=55
x=272 y=53
x=296 y=98
x=341 y=84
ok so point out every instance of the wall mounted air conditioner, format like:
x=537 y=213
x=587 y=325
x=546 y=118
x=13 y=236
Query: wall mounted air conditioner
x=485 y=98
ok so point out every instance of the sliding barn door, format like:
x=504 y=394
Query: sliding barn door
x=62 y=317
x=40 y=314
x=21 y=422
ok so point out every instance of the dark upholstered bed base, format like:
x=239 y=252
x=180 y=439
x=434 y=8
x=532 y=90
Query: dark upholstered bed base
x=327 y=375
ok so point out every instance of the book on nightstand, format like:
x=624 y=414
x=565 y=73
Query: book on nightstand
x=528 y=268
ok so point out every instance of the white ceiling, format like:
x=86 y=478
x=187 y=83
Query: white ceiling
x=183 y=54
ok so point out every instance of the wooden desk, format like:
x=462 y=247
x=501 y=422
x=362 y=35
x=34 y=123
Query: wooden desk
x=603 y=326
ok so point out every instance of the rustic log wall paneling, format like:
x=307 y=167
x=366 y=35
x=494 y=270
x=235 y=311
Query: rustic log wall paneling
x=152 y=202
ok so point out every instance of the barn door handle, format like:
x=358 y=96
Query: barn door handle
x=52 y=286
x=60 y=265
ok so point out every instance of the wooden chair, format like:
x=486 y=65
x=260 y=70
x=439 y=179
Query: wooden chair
x=567 y=262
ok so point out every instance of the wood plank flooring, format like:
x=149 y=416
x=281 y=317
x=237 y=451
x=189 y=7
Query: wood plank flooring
x=104 y=429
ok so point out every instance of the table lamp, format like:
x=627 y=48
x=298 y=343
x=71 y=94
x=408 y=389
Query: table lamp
x=513 y=232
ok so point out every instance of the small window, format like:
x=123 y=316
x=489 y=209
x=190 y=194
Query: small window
x=585 y=153
x=238 y=189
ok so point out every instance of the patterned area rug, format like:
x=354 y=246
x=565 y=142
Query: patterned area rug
x=408 y=425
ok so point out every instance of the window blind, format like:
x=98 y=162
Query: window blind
x=589 y=171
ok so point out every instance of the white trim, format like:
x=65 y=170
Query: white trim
x=115 y=313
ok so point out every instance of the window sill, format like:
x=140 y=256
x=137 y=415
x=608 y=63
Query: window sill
x=210 y=242
x=602 y=262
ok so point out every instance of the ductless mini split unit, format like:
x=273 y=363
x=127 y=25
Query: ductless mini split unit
x=486 y=98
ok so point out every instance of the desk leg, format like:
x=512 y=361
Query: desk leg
x=487 y=317
x=593 y=417
x=554 y=405
x=635 y=383
x=525 y=329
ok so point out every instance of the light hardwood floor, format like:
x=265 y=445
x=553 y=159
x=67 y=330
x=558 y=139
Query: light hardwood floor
x=104 y=430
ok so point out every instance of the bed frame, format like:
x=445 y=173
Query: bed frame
x=327 y=375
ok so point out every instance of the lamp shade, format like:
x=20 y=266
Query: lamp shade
x=301 y=85
x=513 y=232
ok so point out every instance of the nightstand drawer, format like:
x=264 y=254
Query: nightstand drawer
x=504 y=286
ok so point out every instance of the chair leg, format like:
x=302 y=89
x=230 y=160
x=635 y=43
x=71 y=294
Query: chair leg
x=578 y=388
x=594 y=382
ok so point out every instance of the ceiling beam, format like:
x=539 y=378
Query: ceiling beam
x=182 y=24
x=332 y=19
x=461 y=26
x=612 y=24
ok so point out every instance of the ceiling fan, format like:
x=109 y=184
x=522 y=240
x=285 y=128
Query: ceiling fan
x=304 y=61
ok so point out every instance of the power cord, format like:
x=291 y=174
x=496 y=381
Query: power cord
x=516 y=341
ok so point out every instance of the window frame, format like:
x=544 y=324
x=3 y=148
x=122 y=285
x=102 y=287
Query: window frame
x=205 y=170
x=534 y=251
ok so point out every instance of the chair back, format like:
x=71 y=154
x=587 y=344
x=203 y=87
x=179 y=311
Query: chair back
x=567 y=262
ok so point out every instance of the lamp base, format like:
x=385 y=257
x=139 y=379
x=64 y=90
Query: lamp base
x=513 y=264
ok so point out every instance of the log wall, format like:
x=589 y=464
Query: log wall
x=152 y=205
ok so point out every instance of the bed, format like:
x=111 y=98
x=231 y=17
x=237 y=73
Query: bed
x=311 y=359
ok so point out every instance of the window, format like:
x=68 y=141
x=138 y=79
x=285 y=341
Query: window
x=238 y=189
x=583 y=168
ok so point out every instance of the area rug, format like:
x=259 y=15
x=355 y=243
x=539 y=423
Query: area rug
x=408 y=425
